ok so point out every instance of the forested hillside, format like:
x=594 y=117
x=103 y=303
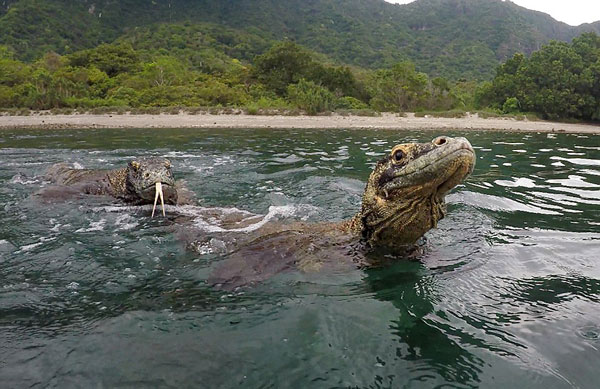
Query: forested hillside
x=451 y=38
x=313 y=56
x=154 y=69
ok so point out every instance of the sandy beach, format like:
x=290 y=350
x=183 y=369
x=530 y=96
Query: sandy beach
x=385 y=121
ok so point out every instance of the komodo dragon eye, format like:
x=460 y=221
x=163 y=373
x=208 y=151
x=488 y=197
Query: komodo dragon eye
x=398 y=155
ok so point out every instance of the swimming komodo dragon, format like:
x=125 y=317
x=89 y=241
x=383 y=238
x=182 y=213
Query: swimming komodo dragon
x=403 y=199
x=142 y=181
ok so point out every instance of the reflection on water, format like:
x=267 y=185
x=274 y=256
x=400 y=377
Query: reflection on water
x=505 y=293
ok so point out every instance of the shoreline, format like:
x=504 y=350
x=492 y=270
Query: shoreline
x=387 y=121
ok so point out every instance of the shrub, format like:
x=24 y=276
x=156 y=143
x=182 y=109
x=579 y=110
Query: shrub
x=252 y=109
x=123 y=93
x=214 y=92
x=311 y=97
x=348 y=102
x=511 y=105
x=7 y=97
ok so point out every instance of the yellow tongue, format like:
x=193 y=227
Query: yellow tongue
x=159 y=192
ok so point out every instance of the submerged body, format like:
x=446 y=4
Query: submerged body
x=142 y=181
x=403 y=199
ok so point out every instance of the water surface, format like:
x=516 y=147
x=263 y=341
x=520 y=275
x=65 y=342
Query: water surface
x=507 y=292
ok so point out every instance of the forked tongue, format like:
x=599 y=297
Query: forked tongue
x=159 y=192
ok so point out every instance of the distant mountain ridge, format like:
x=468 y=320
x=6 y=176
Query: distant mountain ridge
x=454 y=38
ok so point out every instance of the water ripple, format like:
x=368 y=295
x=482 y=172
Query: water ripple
x=505 y=292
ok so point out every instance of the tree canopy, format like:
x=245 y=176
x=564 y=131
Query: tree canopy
x=560 y=80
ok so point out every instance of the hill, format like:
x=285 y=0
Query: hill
x=452 y=38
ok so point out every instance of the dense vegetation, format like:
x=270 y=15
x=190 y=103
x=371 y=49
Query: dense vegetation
x=285 y=76
x=455 y=39
x=314 y=56
x=210 y=66
x=559 y=81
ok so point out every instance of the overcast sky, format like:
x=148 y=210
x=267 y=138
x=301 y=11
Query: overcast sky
x=573 y=12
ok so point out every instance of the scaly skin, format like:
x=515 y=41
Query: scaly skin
x=403 y=199
x=404 y=196
x=134 y=184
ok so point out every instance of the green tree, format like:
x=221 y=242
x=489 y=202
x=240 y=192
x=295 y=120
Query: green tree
x=283 y=64
x=6 y=52
x=113 y=59
x=559 y=81
x=511 y=105
x=399 y=89
x=13 y=72
x=165 y=71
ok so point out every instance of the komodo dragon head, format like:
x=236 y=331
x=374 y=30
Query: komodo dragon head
x=404 y=196
x=148 y=179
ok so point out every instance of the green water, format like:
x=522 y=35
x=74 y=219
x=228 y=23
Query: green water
x=94 y=294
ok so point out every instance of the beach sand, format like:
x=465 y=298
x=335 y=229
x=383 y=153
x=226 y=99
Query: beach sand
x=385 y=121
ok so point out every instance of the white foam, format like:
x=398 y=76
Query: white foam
x=21 y=179
x=194 y=210
x=31 y=246
x=379 y=142
x=223 y=160
x=590 y=171
x=207 y=218
x=73 y=285
x=579 y=161
x=125 y=222
x=521 y=181
x=42 y=240
x=180 y=154
x=94 y=226
x=588 y=147
x=210 y=224
x=292 y=158
x=574 y=182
